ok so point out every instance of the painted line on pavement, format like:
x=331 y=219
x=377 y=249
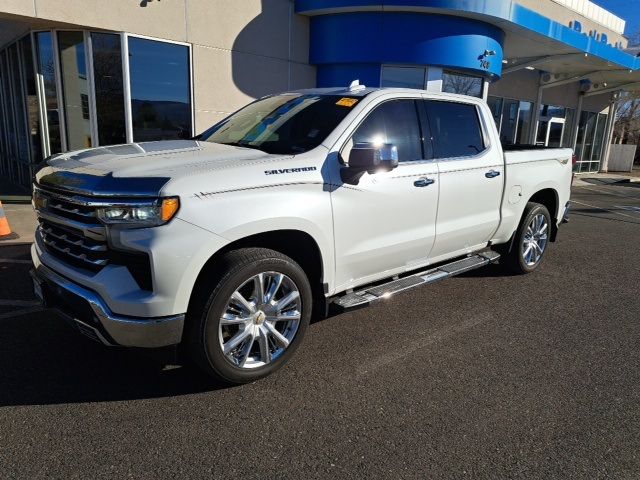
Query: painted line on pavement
x=605 y=192
x=604 y=209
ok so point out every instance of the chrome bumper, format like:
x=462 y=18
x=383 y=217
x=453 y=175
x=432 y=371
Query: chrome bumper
x=90 y=314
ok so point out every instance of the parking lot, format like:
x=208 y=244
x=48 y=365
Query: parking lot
x=484 y=376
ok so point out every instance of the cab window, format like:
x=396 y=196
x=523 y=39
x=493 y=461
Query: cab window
x=394 y=122
x=455 y=129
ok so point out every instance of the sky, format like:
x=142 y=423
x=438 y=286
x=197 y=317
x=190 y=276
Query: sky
x=628 y=10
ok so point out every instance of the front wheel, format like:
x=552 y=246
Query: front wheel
x=531 y=240
x=252 y=318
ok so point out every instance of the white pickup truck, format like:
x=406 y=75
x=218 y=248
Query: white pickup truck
x=225 y=244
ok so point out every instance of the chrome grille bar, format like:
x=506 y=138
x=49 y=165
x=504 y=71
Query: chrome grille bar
x=68 y=238
x=67 y=251
x=73 y=211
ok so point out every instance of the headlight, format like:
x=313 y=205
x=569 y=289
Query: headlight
x=143 y=214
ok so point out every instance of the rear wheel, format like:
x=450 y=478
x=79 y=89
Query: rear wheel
x=531 y=240
x=252 y=318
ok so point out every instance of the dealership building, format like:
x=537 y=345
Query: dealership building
x=82 y=73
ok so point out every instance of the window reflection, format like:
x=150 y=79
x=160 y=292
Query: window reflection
x=46 y=68
x=394 y=122
x=10 y=145
x=31 y=95
x=462 y=84
x=107 y=72
x=403 y=77
x=160 y=90
x=75 y=88
x=21 y=141
x=524 y=122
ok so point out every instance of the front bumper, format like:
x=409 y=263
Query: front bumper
x=90 y=314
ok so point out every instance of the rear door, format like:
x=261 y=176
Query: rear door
x=385 y=223
x=471 y=173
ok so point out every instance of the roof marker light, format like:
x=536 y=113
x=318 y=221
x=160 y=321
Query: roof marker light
x=356 y=87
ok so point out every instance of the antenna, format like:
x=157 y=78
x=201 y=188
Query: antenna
x=355 y=86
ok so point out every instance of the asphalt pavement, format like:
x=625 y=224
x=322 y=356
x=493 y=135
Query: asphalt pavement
x=481 y=376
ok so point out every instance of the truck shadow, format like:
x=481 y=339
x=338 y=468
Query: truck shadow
x=44 y=361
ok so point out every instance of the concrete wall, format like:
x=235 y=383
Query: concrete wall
x=523 y=85
x=240 y=53
x=520 y=85
x=621 y=158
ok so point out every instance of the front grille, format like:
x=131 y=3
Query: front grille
x=71 y=232
x=71 y=246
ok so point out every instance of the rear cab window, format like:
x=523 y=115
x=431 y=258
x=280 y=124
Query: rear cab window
x=456 y=130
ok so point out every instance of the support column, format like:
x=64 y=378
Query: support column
x=576 y=123
x=608 y=136
x=533 y=131
x=485 y=90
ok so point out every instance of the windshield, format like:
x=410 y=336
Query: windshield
x=285 y=124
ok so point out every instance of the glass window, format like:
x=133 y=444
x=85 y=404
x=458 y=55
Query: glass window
x=288 y=124
x=107 y=73
x=20 y=115
x=509 y=121
x=46 y=68
x=552 y=111
x=394 y=122
x=75 y=88
x=568 y=128
x=556 y=130
x=403 y=77
x=455 y=129
x=460 y=83
x=524 y=123
x=598 y=139
x=588 y=136
x=33 y=109
x=495 y=104
x=160 y=90
x=10 y=138
x=6 y=112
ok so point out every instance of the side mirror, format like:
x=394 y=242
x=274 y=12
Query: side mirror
x=370 y=157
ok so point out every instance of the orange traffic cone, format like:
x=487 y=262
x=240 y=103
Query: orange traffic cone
x=5 y=229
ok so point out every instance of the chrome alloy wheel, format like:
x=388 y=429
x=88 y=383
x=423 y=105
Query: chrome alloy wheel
x=535 y=240
x=260 y=320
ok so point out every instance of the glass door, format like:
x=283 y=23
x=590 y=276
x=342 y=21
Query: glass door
x=555 y=132
x=550 y=131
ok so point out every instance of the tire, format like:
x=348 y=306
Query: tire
x=255 y=338
x=527 y=250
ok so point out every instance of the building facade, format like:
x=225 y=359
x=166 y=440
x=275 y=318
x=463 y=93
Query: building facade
x=82 y=73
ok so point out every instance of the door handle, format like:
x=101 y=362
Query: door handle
x=423 y=182
x=492 y=174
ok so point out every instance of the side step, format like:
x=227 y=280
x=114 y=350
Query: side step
x=369 y=295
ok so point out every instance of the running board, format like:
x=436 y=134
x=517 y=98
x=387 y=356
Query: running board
x=368 y=295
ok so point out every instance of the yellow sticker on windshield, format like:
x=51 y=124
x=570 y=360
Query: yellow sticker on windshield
x=346 y=102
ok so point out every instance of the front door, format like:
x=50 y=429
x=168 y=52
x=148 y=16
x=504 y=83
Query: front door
x=471 y=178
x=385 y=224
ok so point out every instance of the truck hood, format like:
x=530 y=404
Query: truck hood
x=141 y=169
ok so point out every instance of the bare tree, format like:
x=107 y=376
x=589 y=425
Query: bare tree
x=627 y=126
